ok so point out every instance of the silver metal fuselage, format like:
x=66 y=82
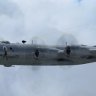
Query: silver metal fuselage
x=24 y=54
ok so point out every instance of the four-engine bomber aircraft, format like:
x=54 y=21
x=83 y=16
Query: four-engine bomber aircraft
x=31 y=54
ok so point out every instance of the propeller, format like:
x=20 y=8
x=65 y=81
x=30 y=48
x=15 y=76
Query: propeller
x=2 y=40
x=37 y=41
x=64 y=43
x=66 y=40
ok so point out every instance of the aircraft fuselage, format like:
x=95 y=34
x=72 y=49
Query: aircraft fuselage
x=25 y=54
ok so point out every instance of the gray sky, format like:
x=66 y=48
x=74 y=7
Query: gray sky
x=48 y=18
x=25 y=19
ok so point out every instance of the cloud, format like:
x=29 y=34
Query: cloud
x=48 y=19
x=33 y=18
x=65 y=16
x=11 y=21
x=9 y=8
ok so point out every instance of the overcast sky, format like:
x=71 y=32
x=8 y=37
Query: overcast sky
x=48 y=20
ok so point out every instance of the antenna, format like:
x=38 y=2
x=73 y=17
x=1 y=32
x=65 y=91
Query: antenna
x=32 y=42
x=66 y=44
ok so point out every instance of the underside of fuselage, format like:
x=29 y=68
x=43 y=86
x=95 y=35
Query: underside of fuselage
x=42 y=60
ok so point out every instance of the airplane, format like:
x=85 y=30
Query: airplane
x=38 y=55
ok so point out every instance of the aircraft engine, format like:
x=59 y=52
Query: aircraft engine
x=65 y=42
